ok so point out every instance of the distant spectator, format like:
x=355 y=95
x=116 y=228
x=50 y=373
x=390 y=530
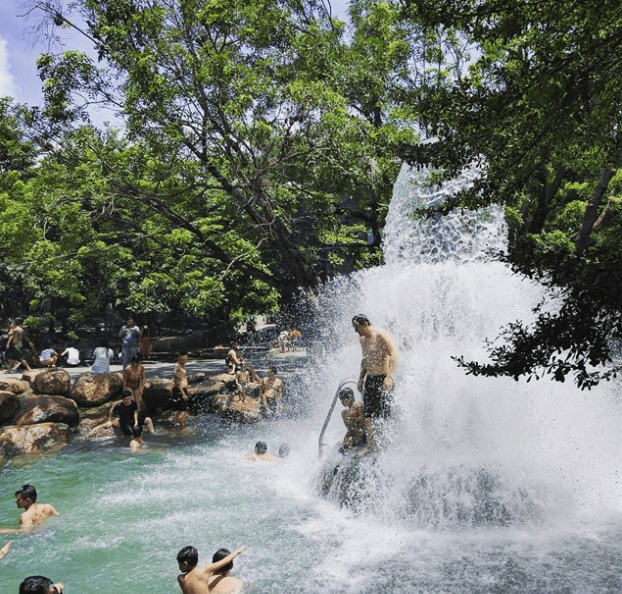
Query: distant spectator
x=130 y=337
x=70 y=356
x=48 y=357
x=103 y=355
x=145 y=344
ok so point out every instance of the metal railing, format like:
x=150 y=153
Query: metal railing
x=330 y=411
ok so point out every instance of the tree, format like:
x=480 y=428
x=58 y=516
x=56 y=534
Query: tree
x=538 y=111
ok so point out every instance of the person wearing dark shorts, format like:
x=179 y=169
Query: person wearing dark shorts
x=377 y=402
x=378 y=367
x=129 y=415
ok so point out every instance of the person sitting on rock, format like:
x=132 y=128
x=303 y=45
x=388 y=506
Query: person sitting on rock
x=248 y=383
x=213 y=578
x=39 y=584
x=233 y=359
x=34 y=513
x=129 y=416
x=272 y=393
x=260 y=455
x=353 y=419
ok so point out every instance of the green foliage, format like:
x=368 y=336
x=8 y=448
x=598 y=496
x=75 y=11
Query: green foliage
x=538 y=111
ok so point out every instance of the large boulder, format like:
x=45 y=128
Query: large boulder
x=158 y=393
x=9 y=403
x=45 y=408
x=94 y=428
x=49 y=381
x=13 y=384
x=32 y=438
x=94 y=389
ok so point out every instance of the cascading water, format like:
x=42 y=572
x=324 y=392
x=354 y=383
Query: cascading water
x=485 y=486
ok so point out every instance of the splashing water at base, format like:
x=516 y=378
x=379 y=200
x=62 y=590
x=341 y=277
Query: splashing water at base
x=486 y=486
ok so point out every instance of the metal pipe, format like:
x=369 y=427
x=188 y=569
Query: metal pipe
x=330 y=411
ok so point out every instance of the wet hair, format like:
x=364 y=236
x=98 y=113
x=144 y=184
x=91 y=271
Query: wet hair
x=284 y=450
x=361 y=319
x=126 y=393
x=35 y=584
x=27 y=492
x=137 y=430
x=219 y=555
x=346 y=393
x=261 y=447
x=188 y=555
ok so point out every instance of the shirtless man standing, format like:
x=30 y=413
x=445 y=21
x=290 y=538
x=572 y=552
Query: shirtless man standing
x=180 y=390
x=378 y=367
x=211 y=579
x=34 y=514
x=353 y=419
x=15 y=346
x=272 y=392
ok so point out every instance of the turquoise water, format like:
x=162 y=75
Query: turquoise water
x=125 y=516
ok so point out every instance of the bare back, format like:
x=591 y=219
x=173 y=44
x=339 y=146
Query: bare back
x=200 y=582
x=36 y=514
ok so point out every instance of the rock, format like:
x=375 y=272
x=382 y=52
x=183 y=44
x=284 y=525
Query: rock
x=241 y=412
x=9 y=403
x=158 y=393
x=225 y=378
x=96 y=429
x=94 y=389
x=32 y=438
x=13 y=384
x=45 y=408
x=197 y=378
x=49 y=381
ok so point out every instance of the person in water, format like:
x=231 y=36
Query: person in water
x=38 y=584
x=34 y=513
x=378 y=367
x=213 y=578
x=129 y=416
x=353 y=419
x=137 y=441
x=261 y=447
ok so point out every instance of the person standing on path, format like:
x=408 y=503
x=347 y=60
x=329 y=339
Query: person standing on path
x=130 y=338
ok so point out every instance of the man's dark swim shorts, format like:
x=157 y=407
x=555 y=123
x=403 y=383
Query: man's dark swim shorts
x=377 y=402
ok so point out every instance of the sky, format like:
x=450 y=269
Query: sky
x=20 y=48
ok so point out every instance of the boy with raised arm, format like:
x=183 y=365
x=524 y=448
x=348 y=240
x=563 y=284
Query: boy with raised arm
x=34 y=513
x=208 y=579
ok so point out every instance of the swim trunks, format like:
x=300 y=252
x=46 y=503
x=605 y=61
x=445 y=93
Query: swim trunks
x=376 y=401
x=177 y=401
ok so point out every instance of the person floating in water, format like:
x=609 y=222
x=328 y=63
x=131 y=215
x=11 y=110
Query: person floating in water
x=34 y=513
x=378 y=367
x=38 y=584
x=353 y=419
x=261 y=447
x=213 y=578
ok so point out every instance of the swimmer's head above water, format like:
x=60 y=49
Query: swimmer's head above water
x=346 y=395
x=219 y=555
x=187 y=559
x=261 y=447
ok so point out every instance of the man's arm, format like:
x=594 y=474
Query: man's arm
x=362 y=375
x=212 y=567
x=392 y=355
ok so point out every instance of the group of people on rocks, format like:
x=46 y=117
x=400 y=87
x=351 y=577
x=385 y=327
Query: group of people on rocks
x=212 y=578
x=268 y=391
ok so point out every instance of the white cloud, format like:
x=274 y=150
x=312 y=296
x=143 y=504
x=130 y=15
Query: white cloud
x=7 y=80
